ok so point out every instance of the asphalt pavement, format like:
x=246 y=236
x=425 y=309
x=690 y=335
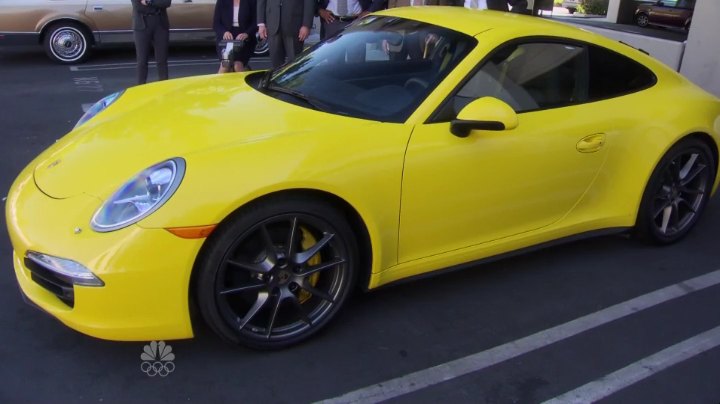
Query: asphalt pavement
x=607 y=318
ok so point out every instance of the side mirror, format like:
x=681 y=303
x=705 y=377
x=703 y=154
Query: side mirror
x=486 y=113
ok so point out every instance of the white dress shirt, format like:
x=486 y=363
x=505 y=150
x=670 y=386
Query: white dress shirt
x=353 y=7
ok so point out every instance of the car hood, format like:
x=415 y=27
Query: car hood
x=152 y=123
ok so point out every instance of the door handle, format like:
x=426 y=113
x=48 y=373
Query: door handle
x=97 y=8
x=187 y=1
x=591 y=143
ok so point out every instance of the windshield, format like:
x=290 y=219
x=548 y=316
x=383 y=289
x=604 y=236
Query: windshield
x=380 y=68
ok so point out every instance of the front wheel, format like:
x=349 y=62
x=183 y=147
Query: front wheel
x=277 y=272
x=67 y=43
x=642 y=20
x=677 y=192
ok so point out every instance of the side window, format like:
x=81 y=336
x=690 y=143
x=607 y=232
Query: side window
x=613 y=75
x=529 y=76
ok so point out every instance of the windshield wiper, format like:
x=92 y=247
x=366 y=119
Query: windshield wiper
x=315 y=104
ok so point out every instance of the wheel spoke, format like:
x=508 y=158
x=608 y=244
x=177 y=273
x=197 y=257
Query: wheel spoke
x=301 y=310
x=292 y=238
x=662 y=209
x=269 y=245
x=257 y=268
x=675 y=217
x=262 y=298
x=688 y=177
x=321 y=267
x=683 y=172
x=667 y=212
x=316 y=292
x=688 y=204
x=242 y=289
x=305 y=256
x=273 y=316
x=689 y=191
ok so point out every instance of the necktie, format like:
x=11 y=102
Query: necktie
x=342 y=8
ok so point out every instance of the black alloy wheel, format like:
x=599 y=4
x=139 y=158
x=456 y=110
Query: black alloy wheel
x=677 y=192
x=277 y=272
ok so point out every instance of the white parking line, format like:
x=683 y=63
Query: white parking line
x=481 y=360
x=631 y=374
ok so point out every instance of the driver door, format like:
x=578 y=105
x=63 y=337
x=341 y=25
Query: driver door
x=462 y=192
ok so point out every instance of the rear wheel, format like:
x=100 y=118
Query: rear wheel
x=571 y=10
x=277 y=273
x=67 y=43
x=677 y=192
x=642 y=20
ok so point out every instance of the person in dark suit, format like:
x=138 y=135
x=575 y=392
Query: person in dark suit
x=498 y=5
x=151 y=27
x=286 y=24
x=236 y=20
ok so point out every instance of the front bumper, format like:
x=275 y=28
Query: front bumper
x=146 y=272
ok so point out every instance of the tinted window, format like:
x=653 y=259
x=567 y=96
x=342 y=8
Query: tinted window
x=529 y=77
x=380 y=68
x=613 y=75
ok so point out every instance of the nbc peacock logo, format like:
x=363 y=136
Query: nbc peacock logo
x=157 y=359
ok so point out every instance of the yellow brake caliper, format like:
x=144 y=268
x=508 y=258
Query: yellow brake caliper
x=308 y=240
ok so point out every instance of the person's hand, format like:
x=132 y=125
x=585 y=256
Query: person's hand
x=303 y=34
x=262 y=31
x=143 y=2
x=227 y=36
x=386 y=46
x=241 y=37
x=326 y=15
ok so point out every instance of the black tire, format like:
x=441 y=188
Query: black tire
x=67 y=43
x=571 y=10
x=276 y=272
x=642 y=20
x=676 y=193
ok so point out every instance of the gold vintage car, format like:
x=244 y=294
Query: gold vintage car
x=68 y=29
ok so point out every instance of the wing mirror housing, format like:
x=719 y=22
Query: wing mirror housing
x=486 y=113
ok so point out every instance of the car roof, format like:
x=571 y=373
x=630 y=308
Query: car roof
x=473 y=22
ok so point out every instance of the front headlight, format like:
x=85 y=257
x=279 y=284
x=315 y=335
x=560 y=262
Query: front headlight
x=140 y=196
x=98 y=107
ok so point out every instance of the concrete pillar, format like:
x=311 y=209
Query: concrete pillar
x=701 y=61
x=613 y=9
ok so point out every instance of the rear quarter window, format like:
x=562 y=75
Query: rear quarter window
x=613 y=75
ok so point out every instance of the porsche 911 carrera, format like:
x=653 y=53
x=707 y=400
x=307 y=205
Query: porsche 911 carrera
x=417 y=140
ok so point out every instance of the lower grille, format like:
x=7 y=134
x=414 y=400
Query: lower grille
x=52 y=282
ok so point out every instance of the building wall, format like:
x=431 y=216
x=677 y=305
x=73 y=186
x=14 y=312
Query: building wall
x=701 y=61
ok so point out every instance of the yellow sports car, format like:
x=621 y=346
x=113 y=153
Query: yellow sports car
x=418 y=139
